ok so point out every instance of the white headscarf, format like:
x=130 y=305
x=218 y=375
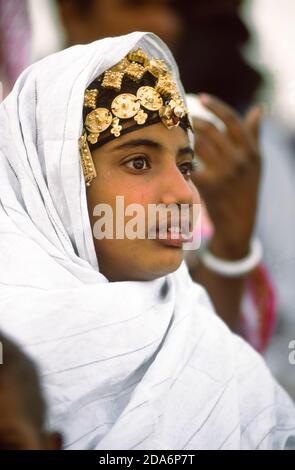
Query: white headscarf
x=125 y=365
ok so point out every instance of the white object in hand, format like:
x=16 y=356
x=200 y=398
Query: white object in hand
x=197 y=110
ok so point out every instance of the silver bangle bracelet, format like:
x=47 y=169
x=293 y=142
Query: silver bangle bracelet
x=236 y=268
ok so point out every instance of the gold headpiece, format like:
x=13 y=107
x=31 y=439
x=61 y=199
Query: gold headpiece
x=163 y=98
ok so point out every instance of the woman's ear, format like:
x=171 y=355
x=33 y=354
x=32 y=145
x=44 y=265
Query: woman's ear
x=52 y=441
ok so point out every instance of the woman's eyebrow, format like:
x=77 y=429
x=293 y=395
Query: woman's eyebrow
x=138 y=142
x=153 y=144
x=185 y=151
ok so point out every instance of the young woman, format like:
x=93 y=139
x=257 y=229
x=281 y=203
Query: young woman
x=132 y=353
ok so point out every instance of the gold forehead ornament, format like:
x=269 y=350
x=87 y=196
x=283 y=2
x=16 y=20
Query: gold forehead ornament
x=163 y=98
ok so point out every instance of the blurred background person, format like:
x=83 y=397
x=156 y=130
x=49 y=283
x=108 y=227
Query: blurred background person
x=219 y=33
x=95 y=19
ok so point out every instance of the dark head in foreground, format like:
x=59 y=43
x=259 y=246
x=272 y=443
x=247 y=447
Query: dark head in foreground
x=22 y=406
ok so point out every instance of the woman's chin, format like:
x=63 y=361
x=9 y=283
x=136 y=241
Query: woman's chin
x=139 y=262
x=164 y=261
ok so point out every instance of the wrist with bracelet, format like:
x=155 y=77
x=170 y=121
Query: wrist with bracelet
x=236 y=268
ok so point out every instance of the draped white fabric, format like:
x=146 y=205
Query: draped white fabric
x=125 y=365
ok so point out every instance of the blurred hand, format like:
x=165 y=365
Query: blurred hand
x=229 y=181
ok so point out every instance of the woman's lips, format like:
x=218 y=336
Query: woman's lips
x=173 y=238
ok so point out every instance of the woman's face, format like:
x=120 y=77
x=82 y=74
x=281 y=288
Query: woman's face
x=151 y=165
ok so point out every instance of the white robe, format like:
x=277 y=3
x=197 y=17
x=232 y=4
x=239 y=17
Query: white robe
x=125 y=365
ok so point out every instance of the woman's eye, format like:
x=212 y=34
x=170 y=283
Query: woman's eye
x=186 y=169
x=138 y=163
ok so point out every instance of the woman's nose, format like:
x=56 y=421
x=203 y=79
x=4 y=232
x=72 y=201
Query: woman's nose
x=176 y=189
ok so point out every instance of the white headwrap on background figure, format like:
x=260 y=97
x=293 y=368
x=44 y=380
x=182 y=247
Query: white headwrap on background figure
x=125 y=365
